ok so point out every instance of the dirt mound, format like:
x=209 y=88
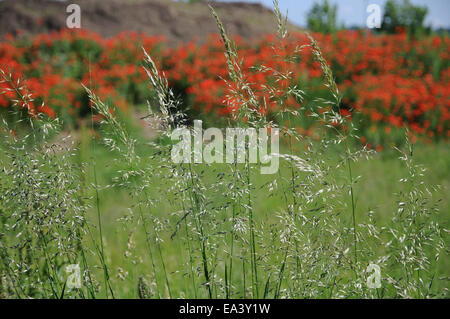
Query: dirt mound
x=177 y=21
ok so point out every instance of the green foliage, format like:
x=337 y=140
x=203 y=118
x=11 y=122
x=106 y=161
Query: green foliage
x=323 y=17
x=404 y=15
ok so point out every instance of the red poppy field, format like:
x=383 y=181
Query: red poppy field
x=388 y=82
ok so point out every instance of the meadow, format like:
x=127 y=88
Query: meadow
x=364 y=167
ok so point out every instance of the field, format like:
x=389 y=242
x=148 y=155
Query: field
x=375 y=192
x=87 y=179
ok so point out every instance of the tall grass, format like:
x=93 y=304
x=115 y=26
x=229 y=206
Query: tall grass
x=199 y=230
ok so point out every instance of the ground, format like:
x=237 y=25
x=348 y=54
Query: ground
x=177 y=21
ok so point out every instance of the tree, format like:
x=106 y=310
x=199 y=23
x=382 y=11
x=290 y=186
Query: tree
x=404 y=15
x=322 y=17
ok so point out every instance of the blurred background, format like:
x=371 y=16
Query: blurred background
x=183 y=20
x=394 y=74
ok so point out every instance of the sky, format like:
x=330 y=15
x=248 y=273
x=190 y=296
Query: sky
x=353 y=12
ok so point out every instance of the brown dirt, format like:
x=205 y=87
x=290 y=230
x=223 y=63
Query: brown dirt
x=177 y=21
